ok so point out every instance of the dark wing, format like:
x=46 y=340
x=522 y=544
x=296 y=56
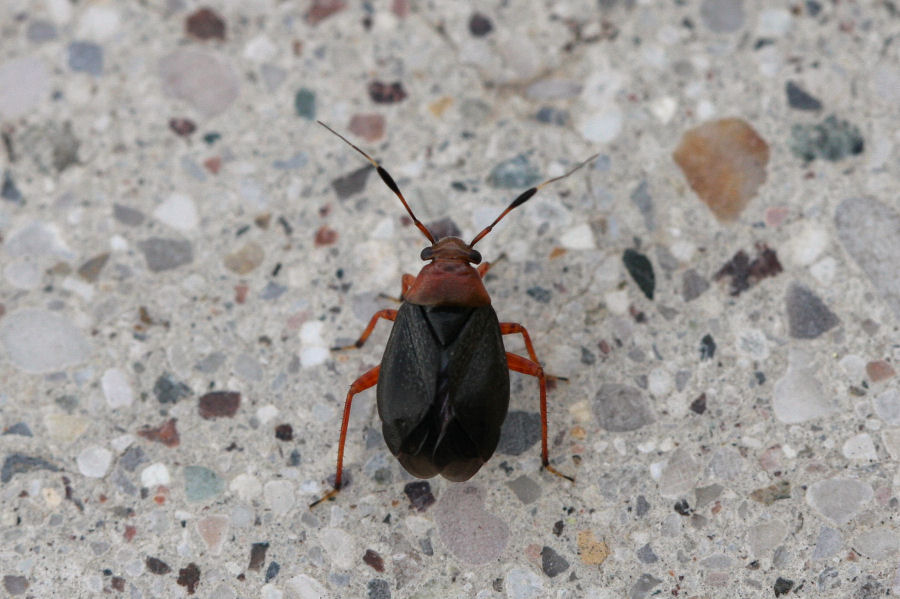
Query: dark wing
x=479 y=380
x=407 y=380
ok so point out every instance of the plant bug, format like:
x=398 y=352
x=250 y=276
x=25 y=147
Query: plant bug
x=443 y=381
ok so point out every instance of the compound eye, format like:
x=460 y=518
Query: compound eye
x=474 y=257
x=427 y=254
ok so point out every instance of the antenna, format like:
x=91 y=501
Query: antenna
x=388 y=180
x=524 y=197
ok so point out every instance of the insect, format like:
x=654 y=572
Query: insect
x=443 y=381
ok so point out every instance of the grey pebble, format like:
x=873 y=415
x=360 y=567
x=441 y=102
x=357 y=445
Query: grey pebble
x=621 y=408
x=38 y=341
x=272 y=291
x=641 y=506
x=642 y=199
x=839 y=499
x=210 y=363
x=515 y=173
x=525 y=489
x=828 y=543
x=86 y=57
x=19 y=428
x=9 y=191
x=553 y=563
x=168 y=389
x=164 y=254
x=206 y=81
x=643 y=586
x=17 y=463
x=378 y=588
x=808 y=316
x=706 y=495
x=127 y=215
x=40 y=31
x=870 y=232
x=799 y=99
x=878 y=543
x=520 y=431
x=132 y=458
x=722 y=16
x=692 y=285
x=351 y=183
x=646 y=555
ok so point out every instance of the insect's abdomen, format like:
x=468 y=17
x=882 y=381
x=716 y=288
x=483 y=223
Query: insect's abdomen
x=443 y=389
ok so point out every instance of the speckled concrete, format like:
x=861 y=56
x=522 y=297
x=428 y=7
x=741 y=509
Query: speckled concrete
x=181 y=244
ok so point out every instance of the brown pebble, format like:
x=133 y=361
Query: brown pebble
x=217 y=404
x=284 y=432
x=90 y=270
x=166 y=433
x=724 y=162
x=257 y=555
x=189 y=577
x=368 y=126
x=240 y=293
x=325 y=236
x=205 y=24
x=879 y=370
x=262 y=221
x=213 y=165
x=157 y=566
x=322 y=9
x=375 y=561
x=386 y=93
x=182 y=127
x=592 y=552
x=245 y=259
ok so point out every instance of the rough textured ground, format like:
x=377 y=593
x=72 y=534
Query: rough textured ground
x=181 y=244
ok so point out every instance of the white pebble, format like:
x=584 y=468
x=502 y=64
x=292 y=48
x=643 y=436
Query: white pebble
x=38 y=341
x=116 y=388
x=602 y=127
x=774 y=22
x=664 y=108
x=155 y=475
x=178 y=211
x=313 y=356
x=23 y=274
x=617 y=301
x=279 y=495
x=887 y=406
x=246 y=486
x=311 y=332
x=306 y=587
x=683 y=250
x=659 y=382
x=804 y=247
x=270 y=591
x=580 y=237
x=94 y=461
x=340 y=547
x=122 y=442
x=260 y=49
x=860 y=447
x=98 y=23
x=823 y=270
x=266 y=413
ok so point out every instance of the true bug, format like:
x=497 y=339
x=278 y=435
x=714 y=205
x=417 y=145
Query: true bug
x=443 y=381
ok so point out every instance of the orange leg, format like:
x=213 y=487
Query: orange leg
x=483 y=268
x=511 y=328
x=406 y=283
x=525 y=366
x=369 y=379
x=386 y=314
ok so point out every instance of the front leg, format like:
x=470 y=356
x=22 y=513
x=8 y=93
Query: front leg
x=385 y=314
